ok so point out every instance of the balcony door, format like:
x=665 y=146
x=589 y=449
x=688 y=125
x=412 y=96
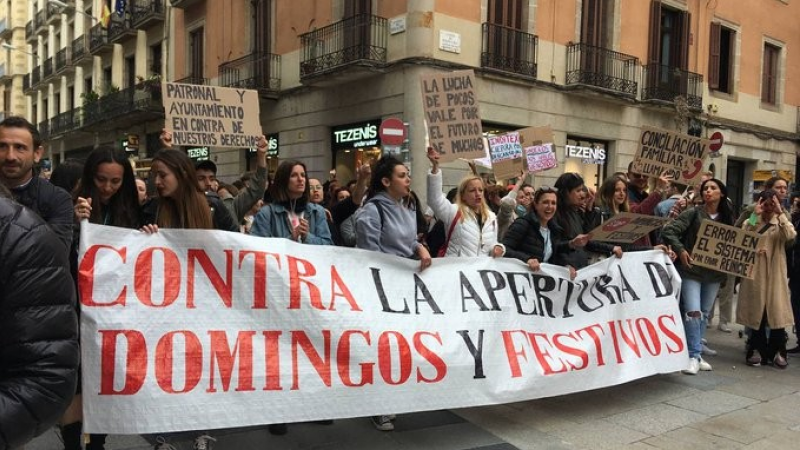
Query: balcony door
x=357 y=30
x=596 y=25
x=262 y=26
x=196 y=54
x=668 y=53
x=505 y=18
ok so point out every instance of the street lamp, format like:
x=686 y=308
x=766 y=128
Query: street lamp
x=67 y=8
x=8 y=46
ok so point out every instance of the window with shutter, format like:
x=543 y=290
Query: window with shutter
x=769 y=79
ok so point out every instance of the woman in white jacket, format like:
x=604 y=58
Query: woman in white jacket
x=475 y=230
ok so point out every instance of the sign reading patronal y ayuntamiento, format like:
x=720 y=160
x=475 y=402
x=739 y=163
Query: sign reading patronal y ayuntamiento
x=211 y=116
x=191 y=329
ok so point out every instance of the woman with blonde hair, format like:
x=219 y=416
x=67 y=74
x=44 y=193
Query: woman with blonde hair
x=470 y=224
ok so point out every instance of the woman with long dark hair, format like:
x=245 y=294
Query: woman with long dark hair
x=291 y=214
x=180 y=202
x=700 y=285
x=106 y=194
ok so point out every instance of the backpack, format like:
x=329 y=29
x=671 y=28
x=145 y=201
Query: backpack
x=347 y=229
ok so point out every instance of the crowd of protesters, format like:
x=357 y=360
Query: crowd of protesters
x=377 y=211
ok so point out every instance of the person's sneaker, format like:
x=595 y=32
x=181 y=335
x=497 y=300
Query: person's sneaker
x=753 y=359
x=203 y=442
x=708 y=351
x=704 y=366
x=794 y=350
x=779 y=361
x=382 y=423
x=724 y=328
x=693 y=368
x=161 y=444
x=278 y=429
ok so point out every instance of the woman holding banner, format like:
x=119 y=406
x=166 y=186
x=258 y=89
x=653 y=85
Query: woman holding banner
x=764 y=300
x=106 y=194
x=292 y=215
x=471 y=226
x=535 y=238
x=386 y=224
x=700 y=285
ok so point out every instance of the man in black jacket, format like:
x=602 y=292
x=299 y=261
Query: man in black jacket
x=20 y=149
x=38 y=326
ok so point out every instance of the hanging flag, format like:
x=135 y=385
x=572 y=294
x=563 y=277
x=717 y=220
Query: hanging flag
x=105 y=18
x=120 y=7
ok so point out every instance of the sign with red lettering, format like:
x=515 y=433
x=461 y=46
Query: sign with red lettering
x=665 y=152
x=201 y=329
x=726 y=249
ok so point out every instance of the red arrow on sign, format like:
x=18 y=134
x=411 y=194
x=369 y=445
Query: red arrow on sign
x=392 y=131
x=715 y=142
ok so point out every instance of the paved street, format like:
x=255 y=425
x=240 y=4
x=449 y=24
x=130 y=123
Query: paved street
x=733 y=407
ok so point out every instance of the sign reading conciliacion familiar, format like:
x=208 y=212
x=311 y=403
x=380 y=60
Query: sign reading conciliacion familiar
x=211 y=116
x=664 y=152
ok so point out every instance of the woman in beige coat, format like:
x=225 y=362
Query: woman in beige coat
x=764 y=300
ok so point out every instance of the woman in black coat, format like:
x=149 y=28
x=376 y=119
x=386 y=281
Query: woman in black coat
x=38 y=326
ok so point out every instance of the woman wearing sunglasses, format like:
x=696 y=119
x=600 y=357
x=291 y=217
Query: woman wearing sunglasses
x=535 y=238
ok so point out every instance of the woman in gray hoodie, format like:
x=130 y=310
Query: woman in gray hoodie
x=387 y=224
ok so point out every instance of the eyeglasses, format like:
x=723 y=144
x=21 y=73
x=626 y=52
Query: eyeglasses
x=315 y=187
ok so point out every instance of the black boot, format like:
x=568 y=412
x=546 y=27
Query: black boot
x=96 y=442
x=71 y=435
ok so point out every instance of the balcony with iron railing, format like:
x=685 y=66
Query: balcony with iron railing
x=602 y=68
x=47 y=69
x=127 y=107
x=183 y=4
x=509 y=51
x=145 y=13
x=98 y=39
x=44 y=128
x=26 y=83
x=65 y=122
x=30 y=33
x=666 y=83
x=53 y=14
x=356 y=41
x=40 y=21
x=63 y=60
x=36 y=76
x=192 y=79
x=260 y=71
x=80 y=49
x=119 y=29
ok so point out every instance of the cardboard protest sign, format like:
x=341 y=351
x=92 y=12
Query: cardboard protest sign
x=204 y=329
x=726 y=249
x=540 y=157
x=211 y=116
x=670 y=153
x=451 y=111
x=627 y=227
x=506 y=153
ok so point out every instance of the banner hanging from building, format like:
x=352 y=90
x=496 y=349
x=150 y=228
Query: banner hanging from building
x=196 y=329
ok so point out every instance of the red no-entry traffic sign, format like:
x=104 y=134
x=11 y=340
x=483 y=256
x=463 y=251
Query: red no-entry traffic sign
x=715 y=141
x=392 y=132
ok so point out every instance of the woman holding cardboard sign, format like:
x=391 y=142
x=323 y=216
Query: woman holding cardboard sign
x=764 y=300
x=700 y=285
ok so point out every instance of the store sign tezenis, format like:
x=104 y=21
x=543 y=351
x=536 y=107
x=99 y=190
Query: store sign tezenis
x=357 y=135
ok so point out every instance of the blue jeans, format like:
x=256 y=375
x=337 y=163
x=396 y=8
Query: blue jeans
x=696 y=296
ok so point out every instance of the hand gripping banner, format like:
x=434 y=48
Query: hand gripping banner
x=190 y=329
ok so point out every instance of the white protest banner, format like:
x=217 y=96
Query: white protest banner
x=664 y=152
x=506 y=152
x=540 y=158
x=452 y=115
x=726 y=249
x=627 y=227
x=196 y=329
x=211 y=116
